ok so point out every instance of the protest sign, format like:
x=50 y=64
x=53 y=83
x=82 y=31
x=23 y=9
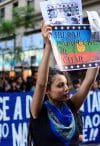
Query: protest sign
x=91 y=118
x=73 y=47
x=62 y=11
x=15 y=114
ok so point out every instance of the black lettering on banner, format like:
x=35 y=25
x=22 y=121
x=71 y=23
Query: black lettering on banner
x=67 y=35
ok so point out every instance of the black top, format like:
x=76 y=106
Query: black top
x=41 y=133
x=79 y=122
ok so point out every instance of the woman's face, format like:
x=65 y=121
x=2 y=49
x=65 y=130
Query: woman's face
x=59 y=90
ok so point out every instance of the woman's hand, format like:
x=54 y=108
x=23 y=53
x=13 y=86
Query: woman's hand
x=46 y=30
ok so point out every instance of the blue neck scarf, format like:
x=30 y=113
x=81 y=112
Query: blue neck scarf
x=61 y=121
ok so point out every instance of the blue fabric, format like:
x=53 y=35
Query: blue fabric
x=61 y=121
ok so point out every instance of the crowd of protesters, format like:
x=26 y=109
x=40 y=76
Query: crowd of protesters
x=16 y=84
x=19 y=84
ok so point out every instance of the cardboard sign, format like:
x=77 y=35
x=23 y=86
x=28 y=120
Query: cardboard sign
x=74 y=48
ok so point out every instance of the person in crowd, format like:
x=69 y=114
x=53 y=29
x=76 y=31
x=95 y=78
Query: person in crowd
x=95 y=86
x=76 y=84
x=29 y=83
x=4 y=85
x=1 y=84
x=7 y=85
x=53 y=122
x=19 y=83
x=13 y=85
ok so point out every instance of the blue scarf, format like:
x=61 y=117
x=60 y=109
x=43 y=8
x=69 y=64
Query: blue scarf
x=61 y=121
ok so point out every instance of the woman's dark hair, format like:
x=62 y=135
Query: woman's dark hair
x=52 y=73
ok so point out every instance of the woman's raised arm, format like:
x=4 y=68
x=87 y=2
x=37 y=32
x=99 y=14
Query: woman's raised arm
x=80 y=96
x=43 y=70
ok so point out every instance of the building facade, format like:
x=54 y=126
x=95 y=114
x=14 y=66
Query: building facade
x=23 y=37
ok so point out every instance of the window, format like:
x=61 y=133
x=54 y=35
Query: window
x=32 y=41
x=15 y=4
x=6 y=51
x=2 y=13
x=33 y=60
x=30 y=2
x=6 y=45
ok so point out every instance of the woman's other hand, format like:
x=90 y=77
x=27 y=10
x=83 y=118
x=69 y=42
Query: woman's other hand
x=46 y=30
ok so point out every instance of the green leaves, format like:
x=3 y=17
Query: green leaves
x=23 y=16
x=7 y=27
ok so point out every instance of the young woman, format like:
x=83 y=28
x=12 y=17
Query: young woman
x=53 y=122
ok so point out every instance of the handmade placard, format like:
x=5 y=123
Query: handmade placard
x=62 y=11
x=73 y=47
